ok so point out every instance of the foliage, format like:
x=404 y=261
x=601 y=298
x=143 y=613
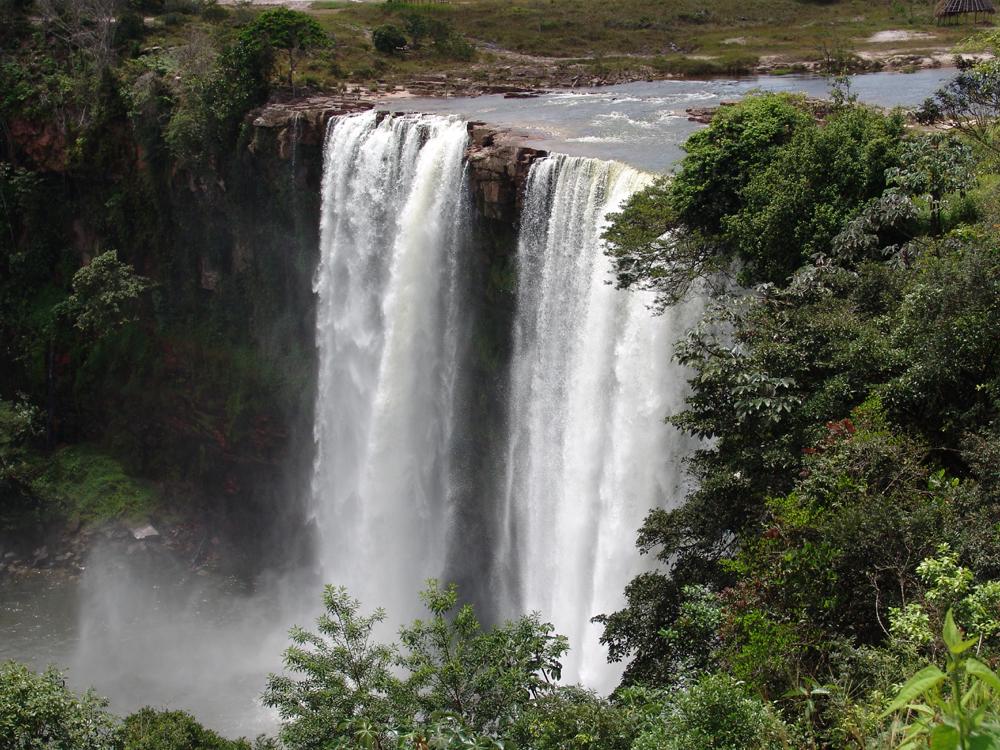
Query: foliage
x=289 y=30
x=346 y=676
x=445 y=41
x=748 y=191
x=104 y=296
x=38 y=712
x=844 y=535
x=450 y=667
x=388 y=39
x=838 y=403
x=970 y=103
x=149 y=729
x=693 y=636
x=483 y=677
x=20 y=426
x=934 y=167
x=951 y=587
x=957 y=708
x=83 y=482
x=193 y=99
x=716 y=712
x=789 y=211
x=572 y=718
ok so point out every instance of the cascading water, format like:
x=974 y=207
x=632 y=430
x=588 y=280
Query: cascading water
x=387 y=332
x=587 y=452
x=592 y=380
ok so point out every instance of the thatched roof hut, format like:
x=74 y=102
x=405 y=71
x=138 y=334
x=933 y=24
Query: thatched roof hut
x=955 y=8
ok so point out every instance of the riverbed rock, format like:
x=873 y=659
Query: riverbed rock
x=498 y=169
x=144 y=532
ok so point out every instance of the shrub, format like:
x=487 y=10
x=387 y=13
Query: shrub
x=149 y=729
x=447 y=676
x=186 y=7
x=714 y=712
x=456 y=47
x=145 y=6
x=388 y=40
x=214 y=12
x=955 y=708
x=574 y=718
x=82 y=481
x=172 y=19
x=38 y=712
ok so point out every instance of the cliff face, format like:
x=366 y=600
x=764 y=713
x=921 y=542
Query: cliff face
x=498 y=162
x=211 y=394
x=291 y=137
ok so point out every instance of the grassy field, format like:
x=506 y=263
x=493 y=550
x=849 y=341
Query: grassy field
x=576 y=28
x=555 y=42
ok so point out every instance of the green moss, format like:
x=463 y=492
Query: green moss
x=82 y=481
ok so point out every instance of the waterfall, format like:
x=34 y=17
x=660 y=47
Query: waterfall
x=401 y=485
x=589 y=452
x=388 y=313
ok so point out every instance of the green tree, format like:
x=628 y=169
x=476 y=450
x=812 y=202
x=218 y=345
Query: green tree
x=933 y=167
x=290 y=30
x=716 y=712
x=38 y=712
x=572 y=718
x=669 y=235
x=969 y=102
x=347 y=676
x=749 y=192
x=149 y=729
x=387 y=39
x=104 y=295
x=484 y=677
x=447 y=678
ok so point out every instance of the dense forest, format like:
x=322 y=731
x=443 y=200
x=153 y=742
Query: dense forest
x=832 y=580
x=152 y=359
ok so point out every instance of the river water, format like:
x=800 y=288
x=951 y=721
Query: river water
x=142 y=632
x=644 y=124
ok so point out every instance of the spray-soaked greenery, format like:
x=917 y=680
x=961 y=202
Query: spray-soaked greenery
x=846 y=502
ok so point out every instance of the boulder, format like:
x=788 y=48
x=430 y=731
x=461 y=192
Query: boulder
x=144 y=532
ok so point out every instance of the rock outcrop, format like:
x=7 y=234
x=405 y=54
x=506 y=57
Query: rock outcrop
x=498 y=160
x=498 y=170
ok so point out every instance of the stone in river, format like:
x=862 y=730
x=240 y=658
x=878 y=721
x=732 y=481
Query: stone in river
x=143 y=532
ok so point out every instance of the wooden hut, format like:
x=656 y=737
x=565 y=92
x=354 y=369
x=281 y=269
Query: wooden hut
x=949 y=9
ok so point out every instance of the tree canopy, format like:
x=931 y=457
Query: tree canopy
x=293 y=31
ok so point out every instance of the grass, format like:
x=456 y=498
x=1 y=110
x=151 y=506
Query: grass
x=574 y=28
x=86 y=483
x=635 y=38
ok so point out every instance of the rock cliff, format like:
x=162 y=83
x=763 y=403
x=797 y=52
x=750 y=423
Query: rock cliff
x=498 y=161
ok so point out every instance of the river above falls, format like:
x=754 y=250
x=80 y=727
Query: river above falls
x=644 y=123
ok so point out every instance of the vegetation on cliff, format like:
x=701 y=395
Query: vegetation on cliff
x=848 y=394
x=166 y=369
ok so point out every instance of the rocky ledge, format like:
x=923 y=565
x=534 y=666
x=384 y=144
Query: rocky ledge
x=499 y=161
x=498 y=170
